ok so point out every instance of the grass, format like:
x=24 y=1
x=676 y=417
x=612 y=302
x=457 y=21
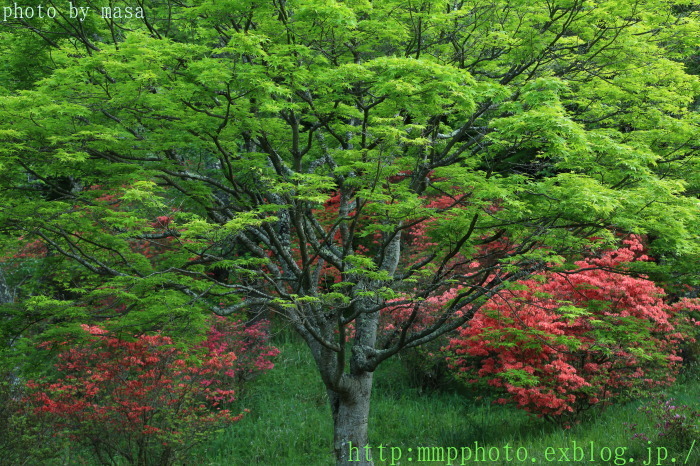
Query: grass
x=290 y=423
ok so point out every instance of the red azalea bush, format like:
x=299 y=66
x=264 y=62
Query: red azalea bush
x=562 y=342
x=247 y=341
x=145 y=400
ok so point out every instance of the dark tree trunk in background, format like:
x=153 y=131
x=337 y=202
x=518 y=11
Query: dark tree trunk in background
x=5 y=295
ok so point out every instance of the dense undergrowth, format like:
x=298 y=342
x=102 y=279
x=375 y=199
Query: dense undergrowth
x=289 y=423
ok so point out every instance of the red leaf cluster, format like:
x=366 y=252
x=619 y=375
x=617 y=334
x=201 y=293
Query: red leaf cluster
x=145 y=396
x=563 y=342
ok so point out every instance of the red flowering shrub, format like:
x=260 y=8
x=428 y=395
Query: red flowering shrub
x=562 y=342
x=248 y=342
x=145 y=400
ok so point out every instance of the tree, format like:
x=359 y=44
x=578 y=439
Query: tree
x=293 y=145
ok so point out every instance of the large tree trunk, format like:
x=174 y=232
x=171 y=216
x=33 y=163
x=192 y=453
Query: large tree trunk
x=350 y=392
x=350 y=411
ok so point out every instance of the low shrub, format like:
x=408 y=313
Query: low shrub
x=144 y=400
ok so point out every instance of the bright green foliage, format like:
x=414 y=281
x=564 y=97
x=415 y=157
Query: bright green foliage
x=241 y=154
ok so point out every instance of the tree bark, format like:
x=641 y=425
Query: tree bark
x=350 y=409
x=5 y=295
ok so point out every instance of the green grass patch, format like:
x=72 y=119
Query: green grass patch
x=290 y=423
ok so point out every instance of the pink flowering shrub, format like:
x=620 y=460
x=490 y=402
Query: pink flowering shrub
x=673 y=424
x=248 y=342
x=562 y=342
x=145 y=400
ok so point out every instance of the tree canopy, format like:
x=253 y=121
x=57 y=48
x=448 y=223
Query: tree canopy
x=328 y=160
